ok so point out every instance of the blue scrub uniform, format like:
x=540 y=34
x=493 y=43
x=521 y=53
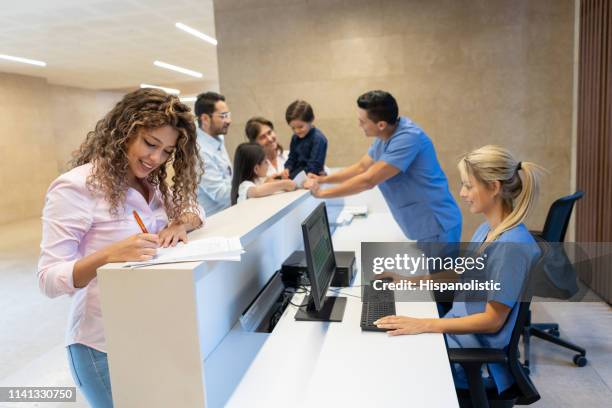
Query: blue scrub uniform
x=509 y=260
x=418 y=196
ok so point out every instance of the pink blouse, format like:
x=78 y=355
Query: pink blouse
x=76 y=223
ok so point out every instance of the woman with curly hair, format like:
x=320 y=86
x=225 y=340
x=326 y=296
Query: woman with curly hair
x=88 y=215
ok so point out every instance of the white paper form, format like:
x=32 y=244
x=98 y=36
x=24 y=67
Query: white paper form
x=206 y=249
x=300 y=178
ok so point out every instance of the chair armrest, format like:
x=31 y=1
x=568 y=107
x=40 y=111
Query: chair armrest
x=471 y=359
x=476 y=355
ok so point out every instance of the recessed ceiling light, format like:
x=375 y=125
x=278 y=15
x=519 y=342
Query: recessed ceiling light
x=196 y=33
x=188 y=98
x=24 y=60
x=178 y=69
x=163 y=88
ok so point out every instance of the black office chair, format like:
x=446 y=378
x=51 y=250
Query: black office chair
x=522 y=392
x=554 y=230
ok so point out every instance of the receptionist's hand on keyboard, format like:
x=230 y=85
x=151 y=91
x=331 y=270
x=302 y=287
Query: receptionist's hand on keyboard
x=398 y=325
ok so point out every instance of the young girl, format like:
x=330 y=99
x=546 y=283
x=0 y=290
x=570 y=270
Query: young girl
x=88 y=216
x=308 y=144
x=503 y=190
x=250 y=170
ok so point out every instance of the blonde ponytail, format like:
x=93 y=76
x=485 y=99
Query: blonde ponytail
x=519 y=181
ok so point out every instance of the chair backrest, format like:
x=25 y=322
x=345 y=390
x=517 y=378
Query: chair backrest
x=528 y=392
x=558 y=217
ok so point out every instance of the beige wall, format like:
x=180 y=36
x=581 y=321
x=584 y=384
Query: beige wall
x=470 y=72
x=40 y=125
x=74 y=112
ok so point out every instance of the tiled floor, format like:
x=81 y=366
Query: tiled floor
x=33 y=326
x=32 y=335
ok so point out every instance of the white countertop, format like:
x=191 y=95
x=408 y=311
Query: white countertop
x=245 y=220
x=337 y=364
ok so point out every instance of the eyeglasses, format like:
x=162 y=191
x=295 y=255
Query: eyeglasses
x=224 y=115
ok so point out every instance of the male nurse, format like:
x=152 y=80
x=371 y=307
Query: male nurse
x=214 y=119
x=402 y=162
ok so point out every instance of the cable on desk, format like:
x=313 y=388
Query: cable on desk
x=304 y=289
x=338 y=291
x=299 y=306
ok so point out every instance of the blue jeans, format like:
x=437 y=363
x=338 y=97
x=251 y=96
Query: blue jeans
x=89 y=369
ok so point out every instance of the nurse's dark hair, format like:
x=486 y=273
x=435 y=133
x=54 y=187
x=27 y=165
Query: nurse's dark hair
x=205 y=104
x=253 y=127
x=519 y=182
x=299 y=110
x=106 y=148
x=246 y=157
x=380 y=106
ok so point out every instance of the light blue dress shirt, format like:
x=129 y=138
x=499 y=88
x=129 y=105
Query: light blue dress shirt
x=216 y=184
x=418 y=196
x=509 y=260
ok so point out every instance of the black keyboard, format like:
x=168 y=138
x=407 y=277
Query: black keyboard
x=376 y=304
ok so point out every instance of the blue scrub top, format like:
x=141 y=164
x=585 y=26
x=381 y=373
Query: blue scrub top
x=509 y=260
x=418 y=196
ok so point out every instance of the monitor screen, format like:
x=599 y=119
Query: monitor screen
x=319 y=253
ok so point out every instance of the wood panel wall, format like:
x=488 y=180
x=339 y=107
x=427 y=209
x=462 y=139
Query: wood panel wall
x=594 y=147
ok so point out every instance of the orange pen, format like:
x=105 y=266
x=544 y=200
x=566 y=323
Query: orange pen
x=140 y=223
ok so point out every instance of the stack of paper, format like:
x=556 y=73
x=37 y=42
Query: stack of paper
x=206 y=249
x=356 y=209
x=344 y=218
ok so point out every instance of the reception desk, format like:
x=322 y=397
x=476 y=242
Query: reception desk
x=174 y=339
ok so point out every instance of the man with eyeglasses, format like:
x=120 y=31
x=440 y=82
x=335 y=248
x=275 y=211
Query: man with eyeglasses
x=214 y=119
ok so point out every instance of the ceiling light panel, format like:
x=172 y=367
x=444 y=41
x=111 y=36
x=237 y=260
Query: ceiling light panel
x=176 y=68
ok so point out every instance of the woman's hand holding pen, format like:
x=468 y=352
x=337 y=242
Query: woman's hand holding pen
x=139 y=247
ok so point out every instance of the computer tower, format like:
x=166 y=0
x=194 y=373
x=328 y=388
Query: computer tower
x=294 y=273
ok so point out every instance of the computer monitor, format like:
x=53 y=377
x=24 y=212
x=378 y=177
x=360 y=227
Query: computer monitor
x=321 y=265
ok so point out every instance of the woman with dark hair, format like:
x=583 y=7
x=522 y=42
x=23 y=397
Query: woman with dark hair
x=308 y=146
x=261 y=131
x=250 y=169
x=119 y=170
